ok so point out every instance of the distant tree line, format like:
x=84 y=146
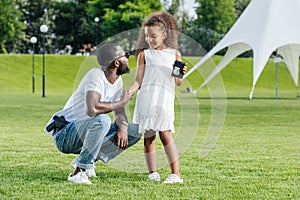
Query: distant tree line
x=73 y=23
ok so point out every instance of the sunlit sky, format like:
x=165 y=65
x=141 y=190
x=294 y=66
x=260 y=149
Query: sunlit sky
x=188 y=5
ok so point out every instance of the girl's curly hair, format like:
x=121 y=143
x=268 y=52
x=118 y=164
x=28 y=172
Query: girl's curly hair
x=167 y=22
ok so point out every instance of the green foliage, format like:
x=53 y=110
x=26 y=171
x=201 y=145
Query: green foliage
x=129 y=15
x=36 y=13
x=217 y=15
x=97 y=8
x=10 y=25
x=69 y=22
x=215 y=18
x=73 y=26
x=207 y=38
x=72 y=22
x=240 y=6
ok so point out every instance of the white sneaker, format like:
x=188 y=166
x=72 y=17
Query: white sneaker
x=173 y=178
x=154 y=176
x=80 y=177
x=88 y=172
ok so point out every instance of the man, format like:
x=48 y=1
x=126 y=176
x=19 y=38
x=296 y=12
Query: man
x=84 y=128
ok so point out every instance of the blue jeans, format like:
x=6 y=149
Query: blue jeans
x=92 y=138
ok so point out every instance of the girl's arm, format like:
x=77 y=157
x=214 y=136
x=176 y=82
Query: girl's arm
x=178 y=81
x=140 y=70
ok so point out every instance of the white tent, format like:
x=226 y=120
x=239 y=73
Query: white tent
x=265 y=26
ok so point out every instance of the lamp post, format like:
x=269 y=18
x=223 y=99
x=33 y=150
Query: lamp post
x=277 y=60
x=96 y=19
x=43 y=29
x=33 y=40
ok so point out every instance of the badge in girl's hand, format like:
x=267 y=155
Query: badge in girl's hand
x=178 y=69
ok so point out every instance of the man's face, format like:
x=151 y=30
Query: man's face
x=123 y=68
x=123 y=60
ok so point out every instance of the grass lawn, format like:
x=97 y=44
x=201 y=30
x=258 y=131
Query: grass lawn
x=256 y=155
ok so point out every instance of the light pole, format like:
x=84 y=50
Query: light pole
x=96 y=19
x=277 y=60
x=43 y=29
x=33 y=40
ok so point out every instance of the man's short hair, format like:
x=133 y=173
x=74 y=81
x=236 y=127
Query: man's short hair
x=107 y=53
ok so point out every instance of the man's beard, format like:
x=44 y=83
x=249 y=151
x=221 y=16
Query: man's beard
x=121 y=71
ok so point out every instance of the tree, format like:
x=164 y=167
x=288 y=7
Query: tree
x=36 y=13
x=75 y=25
x=126 y=16
x=72 y=24
x=217 y=15
x=10 y=26
x=240 y=6
x=215 y=18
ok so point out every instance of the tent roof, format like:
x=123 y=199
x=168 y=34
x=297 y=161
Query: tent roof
x=265 y=26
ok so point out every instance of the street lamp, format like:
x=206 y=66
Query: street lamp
x=43 y=29
x=33 y=40
x=277 y=60
x=96 y=19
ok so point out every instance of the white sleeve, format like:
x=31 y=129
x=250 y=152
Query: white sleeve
x=94 y=82
x=119 y=89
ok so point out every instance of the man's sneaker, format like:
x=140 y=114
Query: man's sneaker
x=154 y=176
x=80 y=177
x=88 y=172
x=173 y=178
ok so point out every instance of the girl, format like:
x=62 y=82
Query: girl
x=154 y=111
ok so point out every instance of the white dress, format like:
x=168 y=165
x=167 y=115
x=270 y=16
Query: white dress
x=154 y=108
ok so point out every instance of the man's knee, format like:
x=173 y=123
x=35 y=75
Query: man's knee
x=103 y=119
x=133 y=133
x=102 y=122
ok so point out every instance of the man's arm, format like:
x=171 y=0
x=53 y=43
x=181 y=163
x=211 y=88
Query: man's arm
x=120 y=117
x=121 y=137
x=95 y=107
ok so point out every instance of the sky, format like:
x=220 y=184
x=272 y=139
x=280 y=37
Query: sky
x=188 y=5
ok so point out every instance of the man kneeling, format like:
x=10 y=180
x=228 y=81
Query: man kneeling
x=83 y=126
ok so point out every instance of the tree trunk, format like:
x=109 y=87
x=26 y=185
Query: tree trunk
x=3 y=49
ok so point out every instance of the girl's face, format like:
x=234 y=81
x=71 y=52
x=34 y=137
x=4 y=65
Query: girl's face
x=155 y=37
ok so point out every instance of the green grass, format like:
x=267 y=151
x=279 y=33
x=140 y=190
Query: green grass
x=256 y=157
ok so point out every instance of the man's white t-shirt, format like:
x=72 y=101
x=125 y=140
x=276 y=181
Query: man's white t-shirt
x=94 y=80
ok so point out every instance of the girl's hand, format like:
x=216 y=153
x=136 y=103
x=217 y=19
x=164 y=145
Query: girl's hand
x=184 y=69
x=178 y=81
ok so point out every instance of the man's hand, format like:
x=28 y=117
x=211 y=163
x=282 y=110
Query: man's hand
x=121 y=138
x=126 y=96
